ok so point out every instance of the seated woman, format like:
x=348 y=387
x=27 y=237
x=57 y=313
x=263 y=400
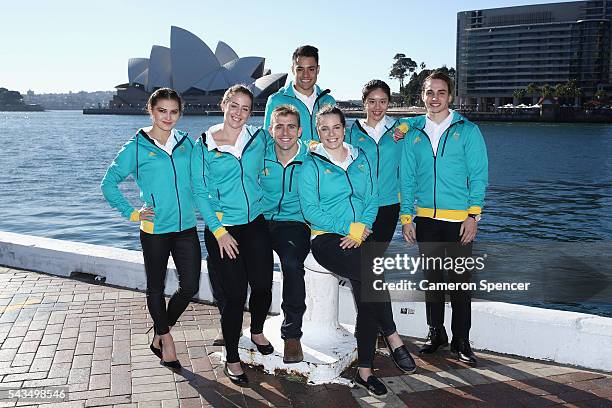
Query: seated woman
x=225 y=166
x=339 y=198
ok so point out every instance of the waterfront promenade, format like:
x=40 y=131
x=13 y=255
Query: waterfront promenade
x=92 y=339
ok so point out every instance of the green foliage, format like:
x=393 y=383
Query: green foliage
x=412 y=90
x=402 y=67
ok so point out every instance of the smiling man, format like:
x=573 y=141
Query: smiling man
x=290 y=235
x=303 y=92
x=444 y=169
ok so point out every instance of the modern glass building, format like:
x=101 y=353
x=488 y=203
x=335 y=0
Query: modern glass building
x=505 y=49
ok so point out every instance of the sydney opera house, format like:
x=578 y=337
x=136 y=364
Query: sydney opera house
x=198 y=74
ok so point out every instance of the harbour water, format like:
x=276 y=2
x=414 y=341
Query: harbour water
x=550 y=193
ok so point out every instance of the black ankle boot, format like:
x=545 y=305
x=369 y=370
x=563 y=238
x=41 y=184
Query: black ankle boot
x=461 y=347
x=435 y=338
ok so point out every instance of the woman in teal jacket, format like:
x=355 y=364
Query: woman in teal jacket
x=158 y=158
x=225 y=166
x=381 y=139
x=339 y=198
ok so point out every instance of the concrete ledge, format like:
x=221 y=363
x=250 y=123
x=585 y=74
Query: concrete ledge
x=578 y=339
x=564 y=337
x=120 y=267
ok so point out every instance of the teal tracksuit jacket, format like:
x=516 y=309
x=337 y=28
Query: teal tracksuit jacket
x=280 y=185
x=164 y=182
x=227 y=189
x=384 y=156
x=450 y=184
x=337 y=201
x=286 y=96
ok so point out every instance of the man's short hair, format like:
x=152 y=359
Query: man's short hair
x=440 y=75
x=285 y=110
x=306 y=51
x=328 y=109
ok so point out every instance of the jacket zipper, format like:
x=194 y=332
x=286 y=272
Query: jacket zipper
x=446 y=137
x=242 y=173
x=435 y=176
x=377 y=144
x=178 y=199
x=435 y=160
x=291 y=177
x=347 y=178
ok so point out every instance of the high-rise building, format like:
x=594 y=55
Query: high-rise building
x=502 y=50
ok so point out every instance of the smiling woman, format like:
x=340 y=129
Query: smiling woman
x=339 y=197
x=225 y=166
x=158 y=158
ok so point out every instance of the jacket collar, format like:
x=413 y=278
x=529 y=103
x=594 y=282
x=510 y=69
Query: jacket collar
x=419 y=121
x=288 y=90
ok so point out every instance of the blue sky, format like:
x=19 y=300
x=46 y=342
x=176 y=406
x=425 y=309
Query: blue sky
x=68 y=45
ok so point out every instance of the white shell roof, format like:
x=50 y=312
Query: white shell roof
x=190 y=63
x=136 y=66
x=260 y=85
x=225 y=53
x=191 y=59
x=160 y=68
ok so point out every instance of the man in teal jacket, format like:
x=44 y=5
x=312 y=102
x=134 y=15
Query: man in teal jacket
x=290 y=235
x=444 y=169
x=303 y=92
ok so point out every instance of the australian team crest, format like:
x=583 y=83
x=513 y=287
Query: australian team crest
x=456 y=136
x=416 y=140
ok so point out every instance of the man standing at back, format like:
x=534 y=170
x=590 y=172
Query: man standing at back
x=303 y=92
x=444 y=168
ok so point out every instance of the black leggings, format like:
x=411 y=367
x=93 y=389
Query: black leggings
x=253 y=267
x=373 y=309
x=185 y=249
x=382 y=234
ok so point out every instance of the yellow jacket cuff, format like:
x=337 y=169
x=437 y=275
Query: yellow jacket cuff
x=135 y=216
x=356 y=231
x=474 y=210
x=406 y=219
x=219 y=232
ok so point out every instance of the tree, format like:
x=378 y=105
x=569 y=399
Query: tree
x=412 y=90
x=519 y=94
x=600 y=94
x=401 y=67
x=547 y=91
x=422 y=66
x=532 y=89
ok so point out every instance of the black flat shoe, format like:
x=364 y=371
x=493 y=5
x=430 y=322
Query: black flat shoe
x=156 y=351
x=401 y=357
x=173 y=365
x=373 y=385
x=240 y=379
x=463 y=351
x=264 y=349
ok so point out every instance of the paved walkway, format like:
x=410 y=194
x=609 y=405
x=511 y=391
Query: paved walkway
x=91 y=340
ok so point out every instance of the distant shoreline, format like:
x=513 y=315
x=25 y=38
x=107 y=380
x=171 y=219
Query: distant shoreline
x=577 y=116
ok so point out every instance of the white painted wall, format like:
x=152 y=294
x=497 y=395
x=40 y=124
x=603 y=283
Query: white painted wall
x=564 y=337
